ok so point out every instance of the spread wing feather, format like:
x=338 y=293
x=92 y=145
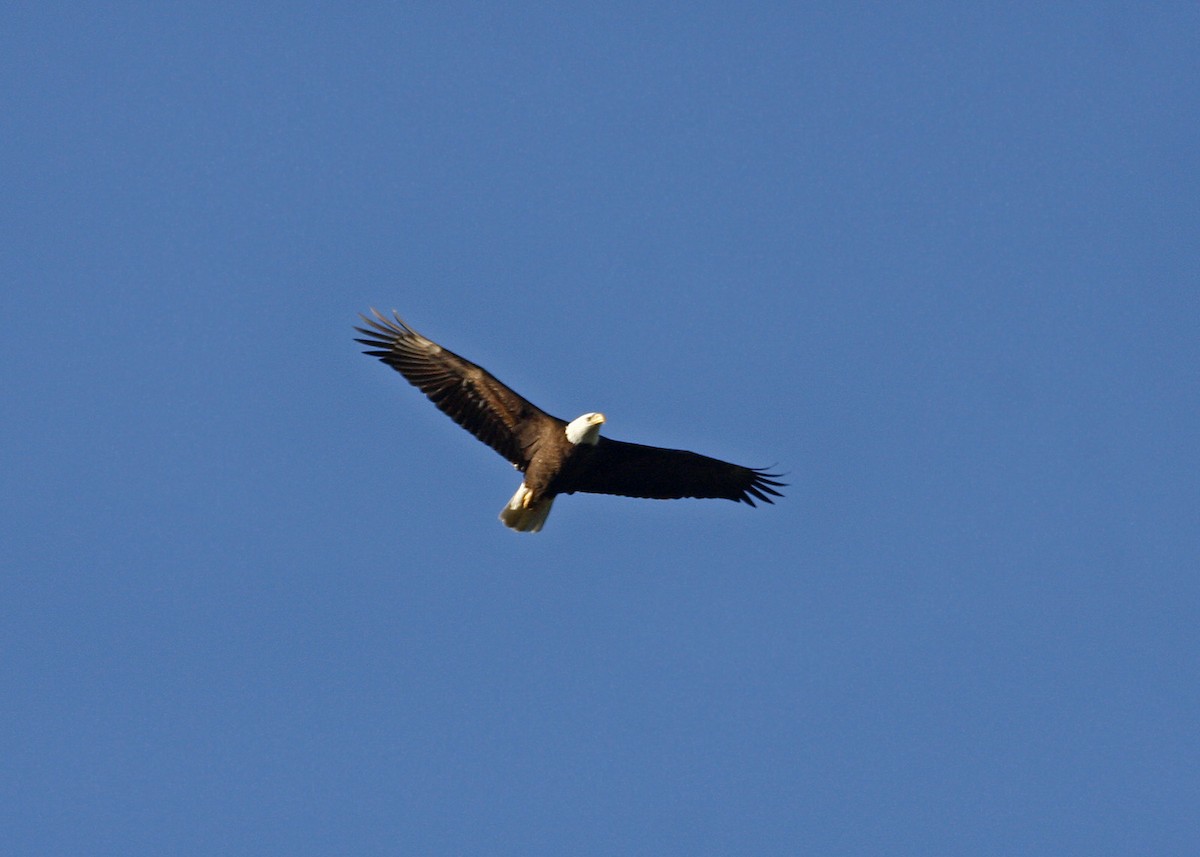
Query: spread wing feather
x=634 y=470
x=468 y=394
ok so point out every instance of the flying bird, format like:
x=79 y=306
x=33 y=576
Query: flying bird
x=556 y=457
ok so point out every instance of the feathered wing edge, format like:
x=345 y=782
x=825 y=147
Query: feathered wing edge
x=465 y=392
x=651 y=472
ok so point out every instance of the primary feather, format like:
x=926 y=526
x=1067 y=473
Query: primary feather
x=468 y=394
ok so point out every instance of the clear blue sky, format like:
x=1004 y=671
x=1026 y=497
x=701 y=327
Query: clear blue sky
x=939 y=264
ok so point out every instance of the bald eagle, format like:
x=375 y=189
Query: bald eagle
x=557 y=457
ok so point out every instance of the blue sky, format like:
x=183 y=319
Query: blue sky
x=939 y=264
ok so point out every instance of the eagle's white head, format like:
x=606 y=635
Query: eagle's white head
x=585 y=429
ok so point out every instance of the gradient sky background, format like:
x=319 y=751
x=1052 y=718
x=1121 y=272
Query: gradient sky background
x=939 y=264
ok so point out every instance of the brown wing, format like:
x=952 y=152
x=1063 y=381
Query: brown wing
x=633 y=470
x=467 y=393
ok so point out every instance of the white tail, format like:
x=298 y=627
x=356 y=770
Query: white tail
x=525 y=518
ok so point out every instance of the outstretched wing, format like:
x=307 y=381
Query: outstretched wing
x=633 y=470
x=467 y=393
